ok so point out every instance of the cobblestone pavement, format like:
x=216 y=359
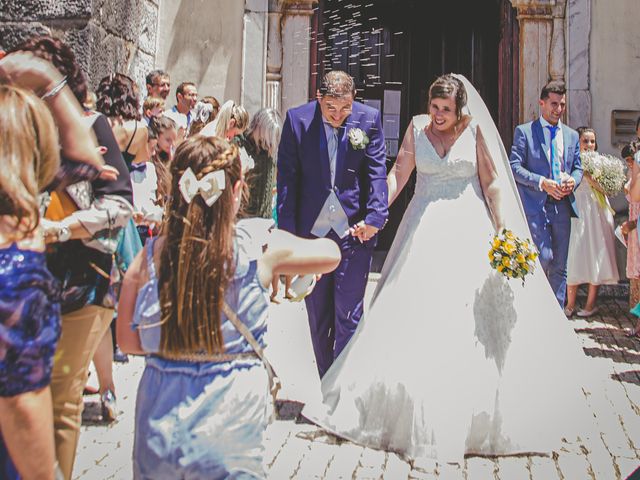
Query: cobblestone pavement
x=303 y=451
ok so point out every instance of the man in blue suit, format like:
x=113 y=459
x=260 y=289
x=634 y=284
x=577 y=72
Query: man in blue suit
x=332 y=183
x=545 y=159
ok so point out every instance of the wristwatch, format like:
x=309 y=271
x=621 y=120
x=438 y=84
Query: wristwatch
x=64 y=233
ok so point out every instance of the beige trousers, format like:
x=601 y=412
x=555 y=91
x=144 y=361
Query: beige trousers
x=82 y=331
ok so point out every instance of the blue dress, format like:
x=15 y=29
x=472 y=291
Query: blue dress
x=29 y=321
x=29 y=328
x=203 y=420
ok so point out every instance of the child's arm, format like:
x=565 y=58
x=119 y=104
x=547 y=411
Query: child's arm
x=127 y=338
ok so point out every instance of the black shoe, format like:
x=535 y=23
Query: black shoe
x=120 y=357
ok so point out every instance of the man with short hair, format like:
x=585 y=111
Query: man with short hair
x=158 y=84
x=332 y=182
x=186 y=99
x=545 y=160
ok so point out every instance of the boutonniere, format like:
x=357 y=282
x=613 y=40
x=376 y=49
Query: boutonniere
x=358 y=139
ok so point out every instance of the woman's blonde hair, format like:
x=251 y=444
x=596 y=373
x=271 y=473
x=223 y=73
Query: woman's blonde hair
x=230 y=111
x=197 y=261
x=265 y=131
x=29 y=152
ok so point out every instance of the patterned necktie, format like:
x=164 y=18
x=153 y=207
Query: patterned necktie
x=332 y=146
x=553 y=155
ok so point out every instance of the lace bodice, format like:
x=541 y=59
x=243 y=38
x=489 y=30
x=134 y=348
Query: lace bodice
x=448 y=176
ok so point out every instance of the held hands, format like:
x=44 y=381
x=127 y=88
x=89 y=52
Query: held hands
x=363 y=231
x=559 y=191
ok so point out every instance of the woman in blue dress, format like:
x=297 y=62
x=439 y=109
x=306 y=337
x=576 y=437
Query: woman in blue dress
x=203 y=402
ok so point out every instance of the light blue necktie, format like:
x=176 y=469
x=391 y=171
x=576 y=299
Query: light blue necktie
x=553 y=155
x=332 y=146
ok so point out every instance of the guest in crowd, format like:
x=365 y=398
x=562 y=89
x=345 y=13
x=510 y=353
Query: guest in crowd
x=152 y=107
x=629 y=228
x=158 y=84
x=118 y=101
x=210 y=277
x=592 y=256
x=231 y=121
x=261 y=142
x=82 y=226
x=30 y=317
x=205 y=111
x=150 y=180
x=186 y=99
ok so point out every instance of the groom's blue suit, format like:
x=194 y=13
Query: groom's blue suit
x=304 y=184
x=549 y=219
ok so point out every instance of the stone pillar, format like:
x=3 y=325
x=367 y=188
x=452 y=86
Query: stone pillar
x=578 y=64
x=274 y=57
x=254 y=55
x=542 y=49
x=288 y=53
x=106 y=35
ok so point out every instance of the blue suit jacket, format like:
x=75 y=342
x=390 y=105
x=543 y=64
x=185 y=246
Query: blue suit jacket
x=304 y=178
x=529 y=162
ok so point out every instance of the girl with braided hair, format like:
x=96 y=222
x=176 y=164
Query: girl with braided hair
x=195 y=301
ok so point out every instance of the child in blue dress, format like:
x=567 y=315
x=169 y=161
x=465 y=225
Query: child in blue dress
x=203 y=402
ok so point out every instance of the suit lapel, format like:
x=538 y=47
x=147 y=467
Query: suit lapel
x=321 y=141
x=566 y=138
x=539 y=135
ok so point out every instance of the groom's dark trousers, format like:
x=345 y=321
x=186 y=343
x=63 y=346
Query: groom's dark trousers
x=335 y=306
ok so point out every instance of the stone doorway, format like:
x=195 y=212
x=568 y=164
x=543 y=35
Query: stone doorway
x=395 y=48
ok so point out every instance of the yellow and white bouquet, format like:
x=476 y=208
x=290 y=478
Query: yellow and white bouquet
x=513 y=257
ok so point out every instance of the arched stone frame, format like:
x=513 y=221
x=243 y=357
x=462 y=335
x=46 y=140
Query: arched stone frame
x=554 y=45
x=288 y=53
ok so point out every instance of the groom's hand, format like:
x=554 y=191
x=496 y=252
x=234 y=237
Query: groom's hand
x=363 y=231
x=552 y=188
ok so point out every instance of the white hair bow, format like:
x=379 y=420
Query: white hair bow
x=209 y=187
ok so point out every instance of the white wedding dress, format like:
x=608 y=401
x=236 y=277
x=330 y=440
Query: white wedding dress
x=452 y=358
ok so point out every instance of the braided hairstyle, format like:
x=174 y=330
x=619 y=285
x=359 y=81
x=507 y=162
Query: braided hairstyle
x=448 y=86
x=197 y=260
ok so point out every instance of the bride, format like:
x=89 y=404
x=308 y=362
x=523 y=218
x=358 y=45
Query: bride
x=452 y=358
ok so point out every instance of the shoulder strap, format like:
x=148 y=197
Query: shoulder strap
x=150 y=263
x=135 y=129
x=274 y=381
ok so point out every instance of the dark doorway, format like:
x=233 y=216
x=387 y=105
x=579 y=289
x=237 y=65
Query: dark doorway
x=395 y=48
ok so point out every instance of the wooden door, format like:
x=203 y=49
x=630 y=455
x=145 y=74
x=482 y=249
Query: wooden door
x=394 y=49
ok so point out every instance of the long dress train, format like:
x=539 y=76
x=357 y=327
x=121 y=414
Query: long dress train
x=452 y=358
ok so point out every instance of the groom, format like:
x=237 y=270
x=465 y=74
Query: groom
x=545 y=159
x=332 y=183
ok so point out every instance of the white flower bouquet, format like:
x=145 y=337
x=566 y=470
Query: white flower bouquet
x=607 y=171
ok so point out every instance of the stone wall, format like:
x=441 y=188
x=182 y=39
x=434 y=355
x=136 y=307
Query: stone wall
x=202 y=42
x=106 y=35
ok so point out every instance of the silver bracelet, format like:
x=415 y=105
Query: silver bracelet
x=55 y=90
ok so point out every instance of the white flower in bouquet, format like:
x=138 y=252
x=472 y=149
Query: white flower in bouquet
x=606 y=170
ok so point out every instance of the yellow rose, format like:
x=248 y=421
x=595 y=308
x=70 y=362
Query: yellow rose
x=509 y=247
x=509 y=234
x=500 y=268
x=490 y=254
x=520 y=258
x=496 y=242
x=506 y=261
x=533 y=256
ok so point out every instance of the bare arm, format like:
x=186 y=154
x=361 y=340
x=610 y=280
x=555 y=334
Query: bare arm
x=488 y=181
x=287 y=254
x=127 y=338
x=405 y=163
x=634 y=185
x=76 y=138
